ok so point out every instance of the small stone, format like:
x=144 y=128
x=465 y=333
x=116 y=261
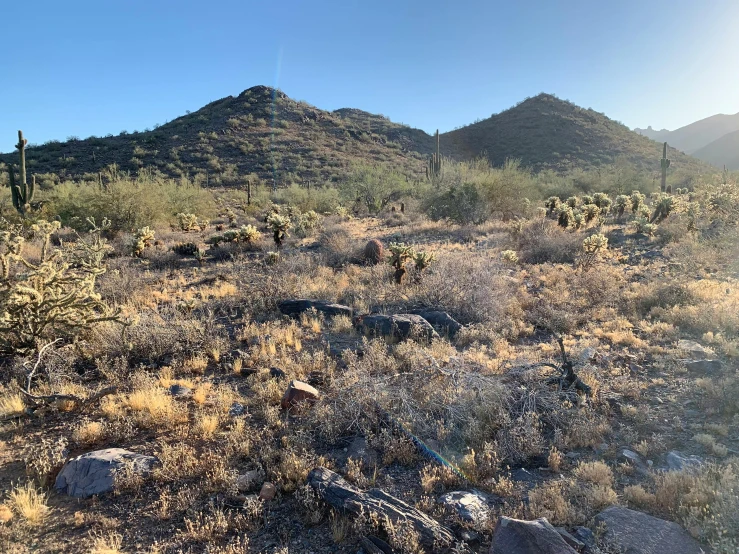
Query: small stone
x=267 y=492
x=180 y=391
x=635 y=460
x=276 y=373
x=297 y=392
x=236 y=409
x=250 y=480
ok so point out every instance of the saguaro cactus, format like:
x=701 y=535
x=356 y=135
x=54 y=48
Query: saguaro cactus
x=21 y=192
x=665 y=165
x=433 y=168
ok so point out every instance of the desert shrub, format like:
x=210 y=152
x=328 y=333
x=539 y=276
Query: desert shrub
x=373 y=187
x=461 y=205
x=509 y=256
x=54 y=297
x=186 y=249
x=322 y=200
x=543 y=241
x=128 y=203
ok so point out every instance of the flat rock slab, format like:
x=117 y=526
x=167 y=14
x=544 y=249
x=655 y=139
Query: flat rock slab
x=515 y=536
x=704 y=367
x=398 y=326
x=694 y=349
x=294 y=308
x=677 y=461
x=297 y=392
x=93 y=473
x=638 y=533
x=469 y=506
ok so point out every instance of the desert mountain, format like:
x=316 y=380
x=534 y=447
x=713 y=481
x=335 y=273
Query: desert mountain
x=264 y=132
x=722 y=152
x=693 y=137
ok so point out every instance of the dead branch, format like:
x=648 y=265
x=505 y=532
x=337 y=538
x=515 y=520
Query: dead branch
x=80 y=403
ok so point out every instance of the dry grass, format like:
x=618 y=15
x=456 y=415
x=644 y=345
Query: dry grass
x=11 y=404
x=29 y=503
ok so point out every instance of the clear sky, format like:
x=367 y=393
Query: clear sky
x=80 y=67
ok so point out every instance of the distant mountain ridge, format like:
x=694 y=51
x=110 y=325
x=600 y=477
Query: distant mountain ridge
x=701 y=139
x=263 y=132
x=722 y=152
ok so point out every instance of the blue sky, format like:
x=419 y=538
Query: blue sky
x=95 y=67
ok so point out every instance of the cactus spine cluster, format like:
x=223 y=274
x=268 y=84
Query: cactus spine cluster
x=433 y=168
x=665 y=164
x=21 y=192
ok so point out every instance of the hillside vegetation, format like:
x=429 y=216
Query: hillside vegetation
x=263 y=135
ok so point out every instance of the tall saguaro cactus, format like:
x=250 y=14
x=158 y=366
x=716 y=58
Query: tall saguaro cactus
x=21 y=192
x=665 y=165
x=433 y=168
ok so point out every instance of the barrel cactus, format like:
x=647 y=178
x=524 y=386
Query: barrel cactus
x=374 y=252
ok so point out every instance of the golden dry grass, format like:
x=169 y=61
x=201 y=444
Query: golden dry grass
x=29 y=503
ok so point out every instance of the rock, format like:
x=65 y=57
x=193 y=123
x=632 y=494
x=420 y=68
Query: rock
x=93 y=473
x=294 y=308
x=317 y=378
x=399 y=326
x=704 y=367
x=297 y=392
x=586 y=536
x=250 y=480
x=515 y=536
x=587 y=355
x=636 y=460
x=695 y=350
x=677 y=461
x=236 y=409
x=441 y=321
x=180 y=391
x=526 y=477
x=638 y=533
x=360 y=451
x=570 y=539
x=267 y=492
x=276 y=373
x=471 y=507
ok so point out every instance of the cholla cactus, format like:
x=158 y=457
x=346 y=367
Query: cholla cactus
x=342 y=212
x=307 y=223
x=400 y=254
x=141 y=240
x=272 y=258
x=565 y=217
x=587 y=199
x=280 y=226
x=552 y=204
x=595 y=243
x=637 y=201
x=231 y=215
x=603 y=201
x=53 y=297
x=541 y=212
x=249 y=234
x=187 y=222
x=663 y=207
x=423 y=259
x=644 y=227
x=622 y=201
x=572 y=201
x=578 y=220
x=590 y=211
x=203 y=224
x=509 y=257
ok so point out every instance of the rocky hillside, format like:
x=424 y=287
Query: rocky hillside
x=260 y=131
x=264 y=132
x=545 y=132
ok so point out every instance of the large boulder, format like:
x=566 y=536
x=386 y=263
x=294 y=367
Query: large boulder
x=294 y=308
x=94 y=473
x=398 y=326
x=515 y=536
x=634 y=532
x=695 y=350
x=704 y=367
x=441 y=321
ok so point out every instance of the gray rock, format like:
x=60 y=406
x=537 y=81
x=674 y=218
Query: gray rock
x=677 y=461
x=441 y=321
x=399 y=326
x=695 y=350
x=471 y=507
x=636 y=461
x=514 y=536
x=251 y=480
x=180 y=391
x=359 y=450
x=638 y=533
x=236 y=409
x=704 y=367
x=93 y=473
x=294 y=308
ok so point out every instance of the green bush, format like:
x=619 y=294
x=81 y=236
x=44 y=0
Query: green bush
x=322 y=200
x=129 y=204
